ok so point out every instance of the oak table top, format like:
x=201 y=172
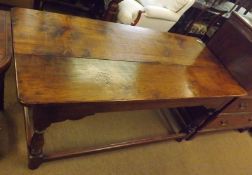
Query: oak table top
x=5 y=40
x=62 y=59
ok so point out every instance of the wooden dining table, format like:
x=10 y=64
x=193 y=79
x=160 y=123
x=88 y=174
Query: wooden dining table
x=70 y=67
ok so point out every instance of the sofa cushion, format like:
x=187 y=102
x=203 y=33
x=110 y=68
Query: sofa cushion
x=151 y=2
x=161 y=13
x=173 y=5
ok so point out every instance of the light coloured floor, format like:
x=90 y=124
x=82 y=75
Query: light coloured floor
x=226 y=153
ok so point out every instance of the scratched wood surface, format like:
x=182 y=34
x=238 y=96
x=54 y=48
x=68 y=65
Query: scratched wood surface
x=63 y=59
x=5 y=40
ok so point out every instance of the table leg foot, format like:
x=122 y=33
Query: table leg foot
x=35 y=161
x=191 y=131
x=36 y=156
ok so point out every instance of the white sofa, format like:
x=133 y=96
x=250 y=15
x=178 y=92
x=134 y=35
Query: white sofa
x=159 y=15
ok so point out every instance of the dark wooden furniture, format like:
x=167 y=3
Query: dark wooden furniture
x=112 y=11
x=69 y=67
x=5 y=50
x=232 y=45
x=93 y=8
x=207 y=18
x=247 y=4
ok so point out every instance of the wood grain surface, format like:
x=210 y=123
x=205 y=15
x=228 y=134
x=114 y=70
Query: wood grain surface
x=5 y=50
x=5 y=40
x=63 y=59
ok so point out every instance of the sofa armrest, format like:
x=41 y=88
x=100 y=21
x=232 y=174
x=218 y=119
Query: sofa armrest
x=161 y=13
x=186 y=7
x=128 y=11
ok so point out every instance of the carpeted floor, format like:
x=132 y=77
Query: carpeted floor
x=226 y=153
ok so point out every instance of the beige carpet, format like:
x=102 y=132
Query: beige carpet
x=216 y=154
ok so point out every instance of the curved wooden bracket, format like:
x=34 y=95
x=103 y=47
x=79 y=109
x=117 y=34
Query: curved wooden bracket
x=137 y=18
x=42 y=117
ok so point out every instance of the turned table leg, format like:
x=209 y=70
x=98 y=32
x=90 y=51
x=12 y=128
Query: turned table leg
x=37 y=119
x=35 y=125
x=36 y=150
x=2 y=91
